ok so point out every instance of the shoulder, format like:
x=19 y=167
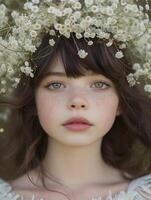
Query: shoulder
x=6 y=191
x=140 y=188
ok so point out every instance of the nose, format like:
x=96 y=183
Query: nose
x=77 y=103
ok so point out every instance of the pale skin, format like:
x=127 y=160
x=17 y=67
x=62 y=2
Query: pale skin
x=74 y=157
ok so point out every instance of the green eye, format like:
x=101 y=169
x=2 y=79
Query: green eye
x=101 y=84
x=54 y=85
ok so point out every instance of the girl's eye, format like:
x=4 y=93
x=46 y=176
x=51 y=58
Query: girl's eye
x=57 y=85
x=54 y=85
x=101 y=85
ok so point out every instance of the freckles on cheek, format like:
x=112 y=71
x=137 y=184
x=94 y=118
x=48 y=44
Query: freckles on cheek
x=107 y=104
x=48 y=105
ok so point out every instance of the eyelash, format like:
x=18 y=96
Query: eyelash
x=54 y=82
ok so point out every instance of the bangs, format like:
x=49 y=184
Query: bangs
x=100 y=59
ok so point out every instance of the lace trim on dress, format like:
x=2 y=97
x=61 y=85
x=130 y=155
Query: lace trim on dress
x=138 y=189
x=6 y=192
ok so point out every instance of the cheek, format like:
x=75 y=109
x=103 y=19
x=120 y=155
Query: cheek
x=46 y=109
x=106 y=108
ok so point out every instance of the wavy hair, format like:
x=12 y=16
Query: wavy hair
x=127 y=145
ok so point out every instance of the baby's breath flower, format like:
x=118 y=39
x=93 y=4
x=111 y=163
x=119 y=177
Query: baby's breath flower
x=90 y=43
x=77 y=14
x=79 y=35
x=37 y=26
x=57 y=26
x=33 y=34
x=1 y=130
x=51 y=9
x=26 y=63
x=52 y=42
x=94 y=9
x=35 y=9
x=77 y=6
x=3 y=82
x=35 y=1
x=122 y=46
x=2 y=91
x=119 y=54
x=136 y=66
x=108 y=44
x=131 y=80
x=147 y=7
x=86 y=34
x=147 y=88
x=82 y=53
x=88 y=2
x=121 y=21
x=52 y=32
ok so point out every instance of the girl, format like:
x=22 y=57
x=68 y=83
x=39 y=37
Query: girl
x=77 y=130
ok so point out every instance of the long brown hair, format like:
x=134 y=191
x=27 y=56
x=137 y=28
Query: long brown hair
x=126 y=146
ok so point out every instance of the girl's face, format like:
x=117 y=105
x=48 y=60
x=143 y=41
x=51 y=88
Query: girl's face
x=59 y=98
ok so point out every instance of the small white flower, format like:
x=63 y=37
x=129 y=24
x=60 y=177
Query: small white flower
x=67 y=22
x=28 y=70
x=94 y=9
x=119 y=54
x=109 y=11
x=33 y=34
x=58 y=13
x=26 y=63
x=37 y=26
x=17 y=80
x=3 y=82
x=10 y=70
x=3 y=68
x=77 y=6
x=52 y=32
x=131 y=80
x=52 y=42
x=57 y=26
x=67 y=11
x=123 y=2
x=73 y=18
x=35 y=9
x=77 y=14
x=122 y=46
x=108 y=44
x=147 y=7
x=92 y=35
x=86 y=34
x=28 y=5
x=82 y=53
x=147 y=88
x=35 y=1
x=2 y=91
x=51 y=10
x=79 y=35
x=88 y=2
x=90 y=43
x=136 y=66
x=31 y=75
x=88 y=19
x=1 y=130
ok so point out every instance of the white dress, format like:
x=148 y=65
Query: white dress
x=138 y=189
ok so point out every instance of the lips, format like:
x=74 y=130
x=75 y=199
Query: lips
x=77 y=124
x=77 y=120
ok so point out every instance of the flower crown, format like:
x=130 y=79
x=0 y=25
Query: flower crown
x=122 y=21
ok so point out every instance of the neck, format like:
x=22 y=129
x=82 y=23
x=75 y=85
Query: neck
x=79 y=165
